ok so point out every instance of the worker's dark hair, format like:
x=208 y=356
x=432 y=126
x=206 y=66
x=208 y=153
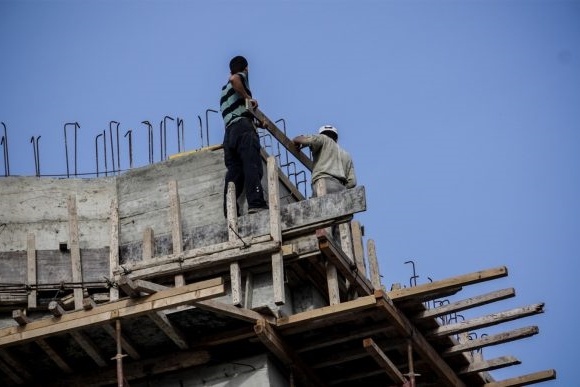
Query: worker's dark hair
x=238 y=64
x=330 y=134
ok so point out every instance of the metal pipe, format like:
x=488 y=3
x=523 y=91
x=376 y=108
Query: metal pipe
x=130 y=148
x=97 y=151
x=6 y=158
x=119 y=357
x=207 y=123
x=411 y=365
x=77 y=126
x=37 y=157
x=150 y=139
x=105 y=151
x=161 y=140
x=34 y=154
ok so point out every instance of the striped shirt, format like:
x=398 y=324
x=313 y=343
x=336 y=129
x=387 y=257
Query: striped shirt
x=232 y=105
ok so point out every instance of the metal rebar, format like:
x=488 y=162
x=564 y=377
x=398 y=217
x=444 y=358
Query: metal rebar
x=207 y=123
x=105 y=152
x=165 y=134
x=180 y=125
x=37 y=157
x=130 y=148
x=97 y=151
x=112 y=142
x=6 y=158
x=200 y=129
x=413 y=279
x=149 y=139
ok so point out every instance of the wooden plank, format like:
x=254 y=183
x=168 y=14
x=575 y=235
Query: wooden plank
x=114 y=247
x=421 y=345
x=486 y=321
x=75 y=251
x=232 y=220
x=469 y=303
x=358 y=247
x=533 y=378
x=55 y=308
x=373 y=265
x=137 y=288
x=89 y=347
x=136 y=370
x=281 y=137
x=173 y=332
x=285 y=353
x=31 y=270
x=345 y=266
x=175 y=221
x=489 y=340
x=148 y=244
x=11 y=374
x=249 y=290
x=275 y=231
x=426 y=291
x=15 y=365
x=332 y=283
x=19 y=315
x=54 y=356
x=105 y=313
x=326 y=313
x=383 y=361
x=489 y=365
x=231 y=311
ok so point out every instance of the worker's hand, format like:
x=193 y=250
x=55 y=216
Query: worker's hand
x=261 y=124
x=253 y=103
x=298 y=146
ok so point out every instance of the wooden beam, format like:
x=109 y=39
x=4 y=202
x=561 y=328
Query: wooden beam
x=374 y=271
x=148 y=244
x=54 y=356
x=19 y=315
x=358 y=247
x=15 y=365
x=339 y=337
x=31 y=270
x=499 y=338
x=137 y=370
x=285 y=354
x=421 y=345
x=486 y=321
x=282 y=139
x=433 y=289
x=232 y=311
x=275 y=231
x=469 y=303
x=10 y=373
x=89 y=347
x=137 y=288
x=175 y=221
x=173 y=332
x=326 y=315
x=489 y=365
x=232 y=220
x=114 y=247
x=536 y=377
x=75 y=251
x=383 y=361
x=344 y=265
x=56 y=309
x=105 y=313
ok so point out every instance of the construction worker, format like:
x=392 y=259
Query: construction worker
x=333 y=166
x=241 y=143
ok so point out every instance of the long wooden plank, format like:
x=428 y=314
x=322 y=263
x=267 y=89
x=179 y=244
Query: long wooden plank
x=175 y=221
x=358 y=247
x=426 y=291
x=114 y=247
x=533 y=378
x=15 y=365
x=420 y=344
x=383 y=361
x=469 y=303
x=281 y=137
x=489 y=365
x=54 y=356
x=105 y=313
x=232 y=311
x=373 y=265
x=174 y=333
x=31 y=270
x=499 y=338
x=127 y=345
x=326 y=313
x=275 y=231
x=285 y=353
x=89 y=347
x=486 y=321
x=343 y=263
x=10 y=373
x=232 y=220
x=75 y=251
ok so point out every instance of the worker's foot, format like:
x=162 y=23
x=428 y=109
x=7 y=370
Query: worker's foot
x=253 y=210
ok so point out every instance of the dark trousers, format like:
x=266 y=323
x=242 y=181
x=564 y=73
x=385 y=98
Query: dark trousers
x=243 y=162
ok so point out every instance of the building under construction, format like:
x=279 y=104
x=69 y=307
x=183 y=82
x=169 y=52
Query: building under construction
x=138 y=279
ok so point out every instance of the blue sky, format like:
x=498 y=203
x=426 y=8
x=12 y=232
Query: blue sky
x=462 y=118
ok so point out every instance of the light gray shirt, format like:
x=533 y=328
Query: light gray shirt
x=330 y=160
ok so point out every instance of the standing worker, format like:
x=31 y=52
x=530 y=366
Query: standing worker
x=241 y=142
x=332 y=164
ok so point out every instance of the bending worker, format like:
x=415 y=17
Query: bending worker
x=332 y=164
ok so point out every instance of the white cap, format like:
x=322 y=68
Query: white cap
x=328 y=128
